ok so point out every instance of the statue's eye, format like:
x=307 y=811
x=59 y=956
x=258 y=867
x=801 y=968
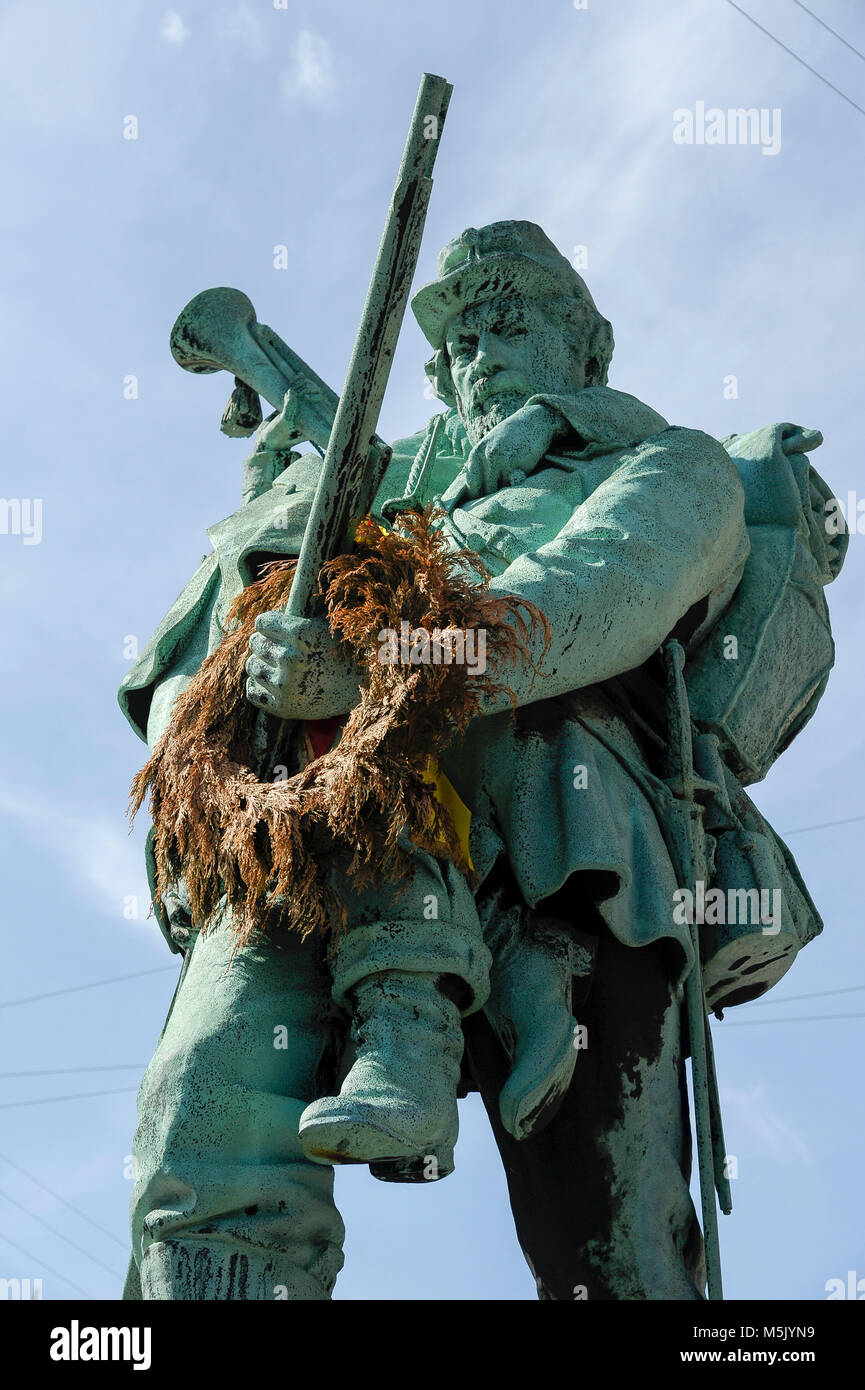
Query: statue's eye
x=512 y=327
x=463 y=350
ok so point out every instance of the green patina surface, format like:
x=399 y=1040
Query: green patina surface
x=623 y=529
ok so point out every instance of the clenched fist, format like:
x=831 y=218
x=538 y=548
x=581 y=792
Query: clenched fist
x=297 y=670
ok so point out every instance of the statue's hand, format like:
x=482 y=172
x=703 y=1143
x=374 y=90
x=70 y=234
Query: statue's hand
x=516 y=445
x=305 y=414
x=297 y=670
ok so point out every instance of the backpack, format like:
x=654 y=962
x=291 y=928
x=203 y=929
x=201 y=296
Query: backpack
x=755 y=679
x=749 y=698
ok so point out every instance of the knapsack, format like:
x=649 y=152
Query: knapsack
x=756 y=677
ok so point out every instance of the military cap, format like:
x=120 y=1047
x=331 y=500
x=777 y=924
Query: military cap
x=485 y=262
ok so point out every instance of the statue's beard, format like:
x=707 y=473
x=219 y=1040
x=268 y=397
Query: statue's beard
x=486 y=414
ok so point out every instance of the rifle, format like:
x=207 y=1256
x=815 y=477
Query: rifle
x=350 y=477
x=353 y=465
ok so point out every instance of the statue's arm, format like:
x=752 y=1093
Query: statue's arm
x=165 y=691
x=173 y=636
x=664 y=530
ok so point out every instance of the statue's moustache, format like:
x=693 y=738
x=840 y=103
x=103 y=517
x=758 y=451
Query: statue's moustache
x=494 y=385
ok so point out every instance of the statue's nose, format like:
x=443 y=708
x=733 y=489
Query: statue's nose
x=491 y=355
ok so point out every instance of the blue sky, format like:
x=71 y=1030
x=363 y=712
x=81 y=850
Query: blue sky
x=260 y=127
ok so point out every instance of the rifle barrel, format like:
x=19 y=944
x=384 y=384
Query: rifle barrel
x=349 y=478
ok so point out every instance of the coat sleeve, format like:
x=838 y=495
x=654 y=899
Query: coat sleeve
x=665 y=529
x=167 y=643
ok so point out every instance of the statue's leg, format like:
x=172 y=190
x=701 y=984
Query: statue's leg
x=408 y=965
x=225 y=1205
x=600 y=1197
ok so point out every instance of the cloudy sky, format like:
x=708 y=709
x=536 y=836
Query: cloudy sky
x=261 y=125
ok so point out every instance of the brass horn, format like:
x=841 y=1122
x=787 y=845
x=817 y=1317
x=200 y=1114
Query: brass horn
x=218 y=331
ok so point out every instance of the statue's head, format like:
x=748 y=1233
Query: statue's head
x=509 y=318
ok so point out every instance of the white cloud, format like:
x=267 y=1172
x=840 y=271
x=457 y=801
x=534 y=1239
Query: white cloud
x=173 y=28
x=770 y=1130
x=102 y=857
x=242 y=28
x=310 y=76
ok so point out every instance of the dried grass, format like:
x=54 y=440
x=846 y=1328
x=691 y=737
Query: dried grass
x=270 y=845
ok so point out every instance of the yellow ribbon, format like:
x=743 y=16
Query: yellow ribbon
x=447 y=796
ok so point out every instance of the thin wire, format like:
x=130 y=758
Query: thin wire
x=81 y=1095
x=74 y=1071
x=58 y=1198
x=54 y=1231
x=833 y=32
x=825 y=80
x=56 y=1273
x=805 y=1018
x=94 y=984
x=825 y=825
x=790 y=998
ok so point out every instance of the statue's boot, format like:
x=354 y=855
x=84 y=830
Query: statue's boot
x=537 y=960
x=397 y=1107
x=406 y=968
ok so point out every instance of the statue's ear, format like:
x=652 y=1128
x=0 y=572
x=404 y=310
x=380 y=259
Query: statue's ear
x=439 y=374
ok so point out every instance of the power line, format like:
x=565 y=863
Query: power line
x=824 y=80
x=805 y=1018
x=56 y=1273
x=833 y=32
x=54 y=1231
x=81 y=1095
x=58 y=1198
x=74 y=1071
x=94 y=984
x=825 y=825
x=791 y=998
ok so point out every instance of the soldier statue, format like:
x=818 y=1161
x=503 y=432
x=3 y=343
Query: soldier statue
x=543 y=961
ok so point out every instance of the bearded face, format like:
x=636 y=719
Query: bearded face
x=502 y=352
